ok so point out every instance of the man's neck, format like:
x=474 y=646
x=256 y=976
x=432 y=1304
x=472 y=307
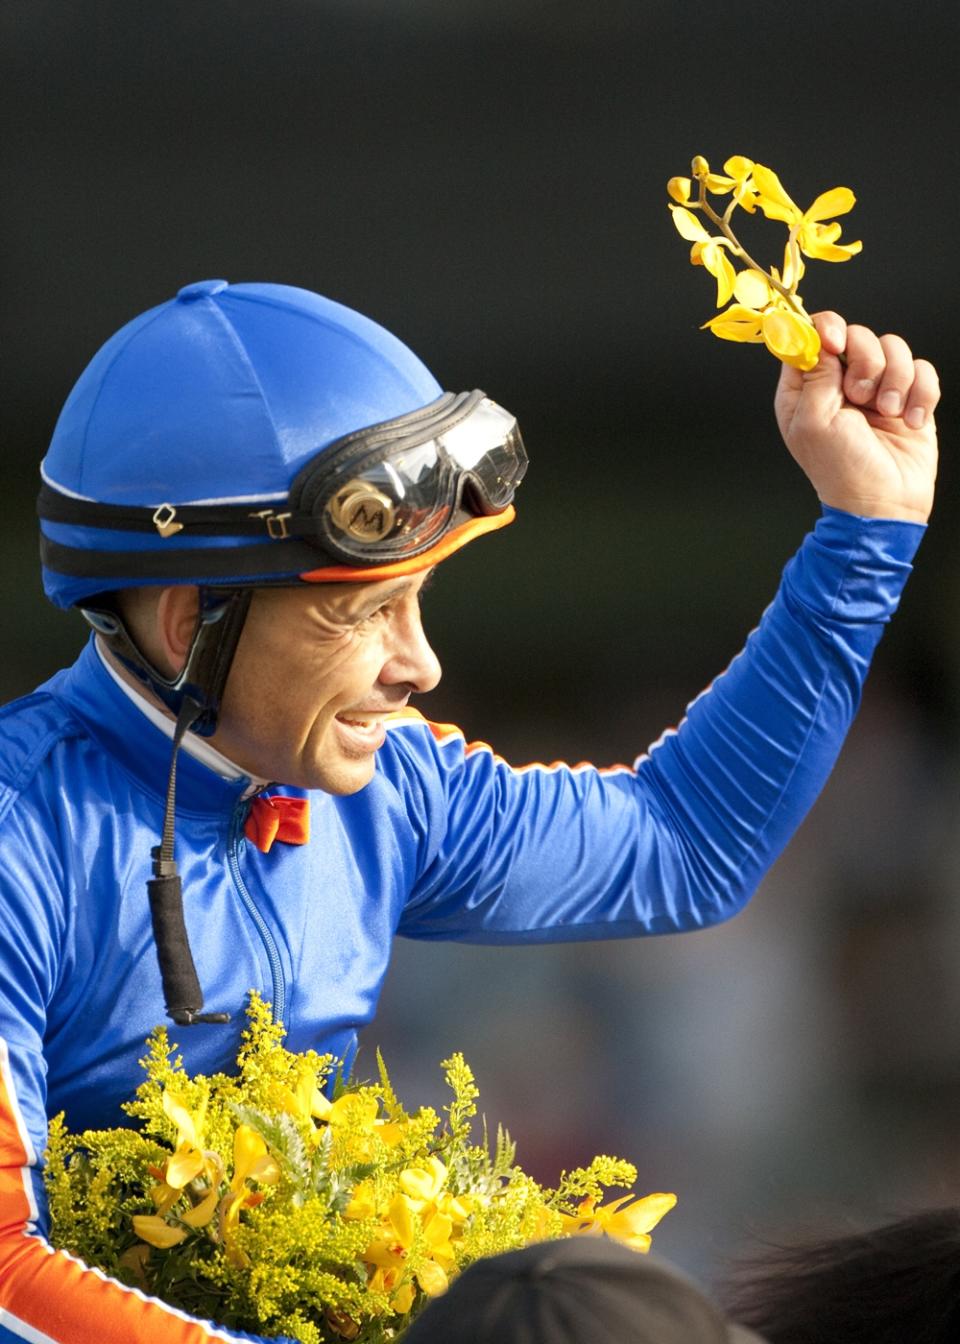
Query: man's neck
x=157 y=712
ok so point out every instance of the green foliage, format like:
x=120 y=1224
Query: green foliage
x=463 y=1108
x=590 y=1182
x=293 y=1214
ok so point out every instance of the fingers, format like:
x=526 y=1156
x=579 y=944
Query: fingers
x=881 y=373
x=923 y=396
x=866 y=366
x=833 y=332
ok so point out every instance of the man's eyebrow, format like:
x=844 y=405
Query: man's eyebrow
x=404 y=586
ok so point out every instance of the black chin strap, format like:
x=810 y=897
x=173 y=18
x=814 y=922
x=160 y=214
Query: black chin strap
x=194 y=695
x=221 y=613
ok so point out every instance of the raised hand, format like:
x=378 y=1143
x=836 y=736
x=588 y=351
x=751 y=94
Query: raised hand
x=863 y=432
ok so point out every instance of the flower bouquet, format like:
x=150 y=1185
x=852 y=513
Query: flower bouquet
x=259 y=1202
x=766 y=304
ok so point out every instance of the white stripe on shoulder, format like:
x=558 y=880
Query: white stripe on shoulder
x=26 y=1173
x=24 y=1331
x=18 y=1120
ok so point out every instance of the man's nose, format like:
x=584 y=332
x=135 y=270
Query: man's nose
x=410 y=657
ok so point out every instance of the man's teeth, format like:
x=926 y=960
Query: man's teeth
x=355 y=723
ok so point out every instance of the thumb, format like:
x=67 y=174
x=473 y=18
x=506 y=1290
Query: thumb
x=818 y=392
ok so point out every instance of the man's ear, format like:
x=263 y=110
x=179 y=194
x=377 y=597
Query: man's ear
x=177 y=611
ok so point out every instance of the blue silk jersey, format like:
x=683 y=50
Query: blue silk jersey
x=447 y=842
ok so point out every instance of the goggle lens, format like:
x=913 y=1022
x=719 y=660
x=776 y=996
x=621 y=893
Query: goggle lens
x=405 y=498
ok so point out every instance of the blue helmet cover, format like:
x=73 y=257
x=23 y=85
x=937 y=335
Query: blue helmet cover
x=219 y=395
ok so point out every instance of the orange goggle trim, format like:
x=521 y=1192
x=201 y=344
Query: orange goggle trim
x=459 y=536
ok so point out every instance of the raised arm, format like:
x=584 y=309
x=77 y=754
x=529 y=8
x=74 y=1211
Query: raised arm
x=683 y=838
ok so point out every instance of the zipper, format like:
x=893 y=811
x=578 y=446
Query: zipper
x=273 y=955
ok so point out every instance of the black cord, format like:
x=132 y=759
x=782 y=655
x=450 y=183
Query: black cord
x=181 y=984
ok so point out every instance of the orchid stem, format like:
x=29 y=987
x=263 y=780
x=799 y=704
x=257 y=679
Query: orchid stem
x=723 y=224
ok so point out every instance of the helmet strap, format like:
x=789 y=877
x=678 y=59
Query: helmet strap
x=194 y=695
x=203 y=676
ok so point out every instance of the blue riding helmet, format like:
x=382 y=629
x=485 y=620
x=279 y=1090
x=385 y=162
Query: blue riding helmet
x=254 y=434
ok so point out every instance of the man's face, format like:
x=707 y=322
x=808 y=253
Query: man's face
x=316 y=670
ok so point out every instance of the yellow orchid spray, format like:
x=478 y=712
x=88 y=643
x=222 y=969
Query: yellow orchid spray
x=258 y=1201
x=767 y=308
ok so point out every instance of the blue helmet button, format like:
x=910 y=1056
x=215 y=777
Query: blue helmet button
x=201 y=289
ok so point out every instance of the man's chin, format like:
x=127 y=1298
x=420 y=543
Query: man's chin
x=344 y=777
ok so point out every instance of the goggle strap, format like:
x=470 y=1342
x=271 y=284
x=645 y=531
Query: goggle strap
x=255 y=518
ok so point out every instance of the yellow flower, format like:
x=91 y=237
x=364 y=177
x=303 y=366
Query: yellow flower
x=402 y=1299
x=791 y=338
x=793 y=267
x=679 y=188
x=305 y=1101
x=353 y=1117
x=737 y=323
x=251 y=1162
x=432 y=1278
x=202 y=1213
x=415 y=1236
x=383 y=1255
x=391 y=1280
x=706 y=251
x=436 y=1232
x=153 y=1230
x=457 y=1208
x=736 y=177
x=786 y=334
x=354 y=1109
x=188 y=1159
x=164 y=1197
x=632 y=1221
x=401 y=1216
x=389 y=1132
x=753 y=290
x=626 y=1219
x=814 y=238
x=424 y=1183
x=362 y=1204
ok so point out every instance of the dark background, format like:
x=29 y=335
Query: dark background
x=486 y=178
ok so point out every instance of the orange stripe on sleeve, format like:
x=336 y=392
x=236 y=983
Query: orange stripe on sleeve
x=448 y=732
x=48 y=1295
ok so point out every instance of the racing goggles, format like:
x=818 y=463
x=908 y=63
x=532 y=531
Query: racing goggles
x=374 y=499
x=388 y=493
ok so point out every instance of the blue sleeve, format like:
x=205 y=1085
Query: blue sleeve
x=682 y=839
